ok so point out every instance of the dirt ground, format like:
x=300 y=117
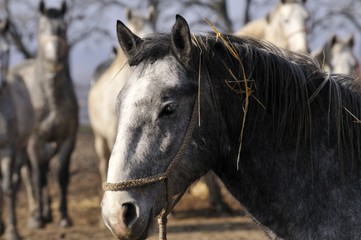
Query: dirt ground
x=192 y=218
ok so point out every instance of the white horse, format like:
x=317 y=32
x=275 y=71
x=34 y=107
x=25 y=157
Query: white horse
x=284 y=26
x=102 y=95
x=336 y=56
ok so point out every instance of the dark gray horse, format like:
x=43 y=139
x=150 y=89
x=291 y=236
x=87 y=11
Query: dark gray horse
x=280 y=133
x=48 y=81
x=106 y=83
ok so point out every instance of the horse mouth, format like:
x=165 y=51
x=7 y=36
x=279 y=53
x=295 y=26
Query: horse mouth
x=148 y=227
x=137 y=232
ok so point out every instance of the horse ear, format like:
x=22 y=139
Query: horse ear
x=63 y=8
x=181 y=40
x=4 y=25
x=333 y=40
x=114 y=51
x=268 y=17
x=128 y=13
x=351 y=41
x=42 y=7
x=127 y=39
x=151 y=13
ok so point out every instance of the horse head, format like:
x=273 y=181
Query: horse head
x=141 y=24
x=287 y=25
x=53 y=45
x=157 y=114
x=343 y=60
x=4 y=50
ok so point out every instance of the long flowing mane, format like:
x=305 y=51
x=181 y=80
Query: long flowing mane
x=288 y=89
x=294 y=91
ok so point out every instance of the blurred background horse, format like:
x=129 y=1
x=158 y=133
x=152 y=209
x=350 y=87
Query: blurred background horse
x=102 y=95
x=284 y=26
x=337 y=56
x=8 y=141
x=50 y=87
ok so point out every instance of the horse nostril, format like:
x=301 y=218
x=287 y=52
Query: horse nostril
x=129 y=214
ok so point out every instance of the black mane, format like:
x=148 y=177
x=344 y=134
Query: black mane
x=291 y=88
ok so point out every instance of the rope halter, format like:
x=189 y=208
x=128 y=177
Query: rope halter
x=162 y=177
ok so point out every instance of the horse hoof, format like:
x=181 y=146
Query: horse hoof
x=65 y=222
x=48 y=218
x=35 y=223
x=2 y=228
x=12 y=235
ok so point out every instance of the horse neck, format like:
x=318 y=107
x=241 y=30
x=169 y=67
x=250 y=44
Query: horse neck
x=54 y=81
x=256 y=178
x=254 y=29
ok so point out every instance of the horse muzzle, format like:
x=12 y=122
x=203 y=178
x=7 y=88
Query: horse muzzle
x=126 y=217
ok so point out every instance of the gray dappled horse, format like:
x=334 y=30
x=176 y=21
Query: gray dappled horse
x=49 y=84
x=281 y=134
x=285 y=26
x=8 y=141
x=336 y=56
x=108 y=78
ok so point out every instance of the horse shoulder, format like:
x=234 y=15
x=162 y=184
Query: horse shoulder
x=254 y=29
x=26 y=70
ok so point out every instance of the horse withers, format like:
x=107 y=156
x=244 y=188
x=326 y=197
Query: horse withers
x=280 y=133
x=53 y=99
x=285 y=26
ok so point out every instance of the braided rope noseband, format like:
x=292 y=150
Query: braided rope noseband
x=162 y=219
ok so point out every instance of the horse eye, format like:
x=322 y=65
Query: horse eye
x=167 y=110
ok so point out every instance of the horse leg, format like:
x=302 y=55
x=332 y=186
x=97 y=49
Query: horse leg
x=8 y=190
x=215 y=196
x=65 y=152
x=36 y=156
x=25 y=171
x=103 y=152
x=45 y=196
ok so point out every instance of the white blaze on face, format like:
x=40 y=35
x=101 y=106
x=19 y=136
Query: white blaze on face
x=142 y=85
